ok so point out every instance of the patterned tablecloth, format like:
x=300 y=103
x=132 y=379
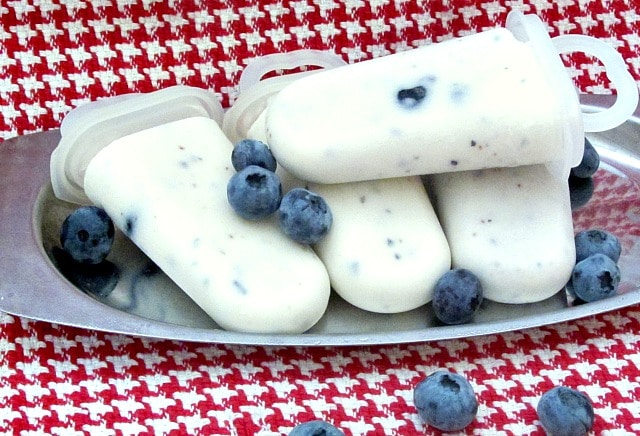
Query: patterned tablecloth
x=54 y=379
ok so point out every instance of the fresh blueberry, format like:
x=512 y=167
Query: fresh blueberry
x=304 y=216
x=254 y=192
x=596 y=241
x=580 y=191
x=252 y=152
x=316 y=428
x=589 y=163
x=565 y=412
x=457 y=296
x=87 y=235
x=446 y=401
x=595 y=278
x=97 y=279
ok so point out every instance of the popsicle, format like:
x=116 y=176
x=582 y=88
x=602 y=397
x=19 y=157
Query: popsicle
x=511 y=226
x=386 y=249
x=247 y=276
x=499 y=98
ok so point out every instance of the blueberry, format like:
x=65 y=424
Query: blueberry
x=87 y=235
x=254 y=192
x=97 y=279
x=252 y=152
x=446 y=401
x=457 y=296
x=316 y=428
x=580 y=191
x=595 y=278
x=596 y=241
x=589 y=163
x=304 y=216
x=565 y=412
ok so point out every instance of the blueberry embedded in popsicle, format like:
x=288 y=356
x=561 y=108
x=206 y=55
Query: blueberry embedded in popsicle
x=412 y=97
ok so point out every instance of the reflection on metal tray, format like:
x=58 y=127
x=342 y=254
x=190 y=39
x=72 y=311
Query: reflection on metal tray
x=145 y=302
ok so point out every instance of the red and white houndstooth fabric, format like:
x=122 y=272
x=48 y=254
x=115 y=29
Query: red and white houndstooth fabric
x=57 y=54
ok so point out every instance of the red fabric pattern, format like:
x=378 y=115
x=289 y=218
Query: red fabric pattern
x=62 y=380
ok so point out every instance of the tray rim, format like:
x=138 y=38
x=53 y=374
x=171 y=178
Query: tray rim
x=53 y=299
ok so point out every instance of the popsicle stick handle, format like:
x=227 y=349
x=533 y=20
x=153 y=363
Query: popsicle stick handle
x=617 y=72
x=260 y=67
x=255 y=89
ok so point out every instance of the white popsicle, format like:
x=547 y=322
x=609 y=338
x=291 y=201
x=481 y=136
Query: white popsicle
x=165 y=187
x=475 y=102
x=386 y=249
x=512 y=227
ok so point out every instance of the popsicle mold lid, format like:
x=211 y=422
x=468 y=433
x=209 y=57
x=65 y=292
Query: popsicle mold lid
x=256 y=90
x=89 y=128
x=530 y=29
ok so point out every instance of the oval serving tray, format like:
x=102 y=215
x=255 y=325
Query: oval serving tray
x=146 y=303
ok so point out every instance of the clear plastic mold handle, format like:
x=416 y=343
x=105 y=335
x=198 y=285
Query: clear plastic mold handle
x=617 y=72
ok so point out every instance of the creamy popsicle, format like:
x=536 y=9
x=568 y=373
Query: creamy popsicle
x=512 y=227
x=475 y=102
x=386 y=249
x=247 y=276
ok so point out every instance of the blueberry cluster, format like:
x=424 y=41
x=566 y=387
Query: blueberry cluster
x=86 y=237
x=255 y=192
x=596 y=274
x=581 y=177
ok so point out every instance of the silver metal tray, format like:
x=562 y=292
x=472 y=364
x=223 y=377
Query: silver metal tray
x=146 y=303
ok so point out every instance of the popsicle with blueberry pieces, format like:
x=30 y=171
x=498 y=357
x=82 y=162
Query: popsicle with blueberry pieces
x=246 y=275
x=512 y=227
x=474 y=102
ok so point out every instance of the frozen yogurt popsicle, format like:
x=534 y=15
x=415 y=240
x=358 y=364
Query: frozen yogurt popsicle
x=386 y=249
x=476 y=102
x=165 y=187
x=511 y=226
x=499 y=98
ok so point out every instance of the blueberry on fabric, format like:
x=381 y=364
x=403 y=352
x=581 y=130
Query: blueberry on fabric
x=597 y=241
x=445 y=400
x=87 y=235
x=252 y=152
x=457 y=296
x=316 y=428
x=595 y=278
x=254 y=192
x=565 y=412
x=590 y=162
x=304 y=216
